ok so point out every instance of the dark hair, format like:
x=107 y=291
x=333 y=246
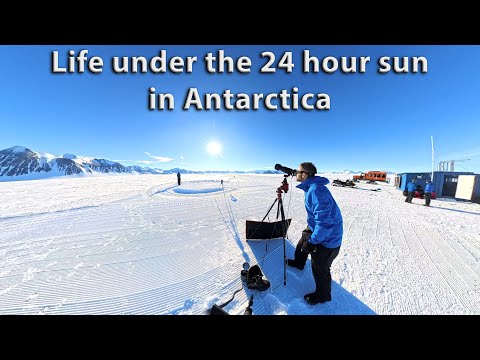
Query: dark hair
x=309 y=168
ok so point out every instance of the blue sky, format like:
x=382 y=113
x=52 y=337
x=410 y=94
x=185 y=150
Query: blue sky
x=375 y=122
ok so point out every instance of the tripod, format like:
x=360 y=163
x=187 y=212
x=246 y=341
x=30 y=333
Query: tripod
x=280 y=211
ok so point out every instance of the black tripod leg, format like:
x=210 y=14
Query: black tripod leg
x=284 y=233
x=268 y=212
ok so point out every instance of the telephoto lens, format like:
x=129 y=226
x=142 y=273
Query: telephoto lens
x=286 y=170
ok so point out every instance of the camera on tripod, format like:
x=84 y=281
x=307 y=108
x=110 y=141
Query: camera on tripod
x=261 y=230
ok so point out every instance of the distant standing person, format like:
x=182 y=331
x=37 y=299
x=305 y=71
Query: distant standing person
x=429 y=188
x=411 y=188
x=179 y=178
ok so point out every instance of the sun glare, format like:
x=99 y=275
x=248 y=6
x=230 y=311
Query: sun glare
x=214 y=148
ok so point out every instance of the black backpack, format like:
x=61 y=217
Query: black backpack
x=255 y=279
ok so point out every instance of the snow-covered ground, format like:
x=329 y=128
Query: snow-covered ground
x=129 y=244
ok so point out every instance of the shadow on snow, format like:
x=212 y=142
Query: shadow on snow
x=285 y=295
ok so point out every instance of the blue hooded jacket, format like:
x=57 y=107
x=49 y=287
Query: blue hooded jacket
x=429 y=187
x=323 y=214
x=411 y=186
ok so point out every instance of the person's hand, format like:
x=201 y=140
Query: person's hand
x=309 y=247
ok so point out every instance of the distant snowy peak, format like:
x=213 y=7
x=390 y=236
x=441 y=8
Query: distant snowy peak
x=103 y=162
x=66 y=166
x=107 y=166
x=346 y=172
x=68 y=156
x=18 y=149
x=19 y=160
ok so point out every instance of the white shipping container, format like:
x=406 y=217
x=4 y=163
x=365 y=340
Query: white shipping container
x=465 y=186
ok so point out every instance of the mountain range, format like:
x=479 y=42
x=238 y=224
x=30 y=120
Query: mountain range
x=21 y=163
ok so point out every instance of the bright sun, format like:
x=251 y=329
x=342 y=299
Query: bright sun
x=214 y=148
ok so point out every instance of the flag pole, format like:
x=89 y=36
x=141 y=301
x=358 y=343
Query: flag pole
x=433 y=159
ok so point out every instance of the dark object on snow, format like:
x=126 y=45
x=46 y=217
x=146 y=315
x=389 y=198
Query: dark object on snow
x=266 y=230
x=179 y=178
x=217 y=310
x=347 y=183
x=314 y=299
x=253 y=278
x=248 y=310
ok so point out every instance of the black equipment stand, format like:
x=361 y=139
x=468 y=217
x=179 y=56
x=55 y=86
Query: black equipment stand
x=280 y=211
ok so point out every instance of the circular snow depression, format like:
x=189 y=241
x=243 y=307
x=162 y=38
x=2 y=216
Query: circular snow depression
x=198 y=188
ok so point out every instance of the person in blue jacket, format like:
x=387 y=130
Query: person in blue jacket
x=323 y=236
x=429 y=188
x=411 y=188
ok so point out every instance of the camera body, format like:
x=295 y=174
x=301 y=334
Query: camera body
x=252 y=277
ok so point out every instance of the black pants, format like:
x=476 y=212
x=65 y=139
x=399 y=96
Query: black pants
x=428 y=197
x=410 y=196
x=322 y=260
x=178 y=181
